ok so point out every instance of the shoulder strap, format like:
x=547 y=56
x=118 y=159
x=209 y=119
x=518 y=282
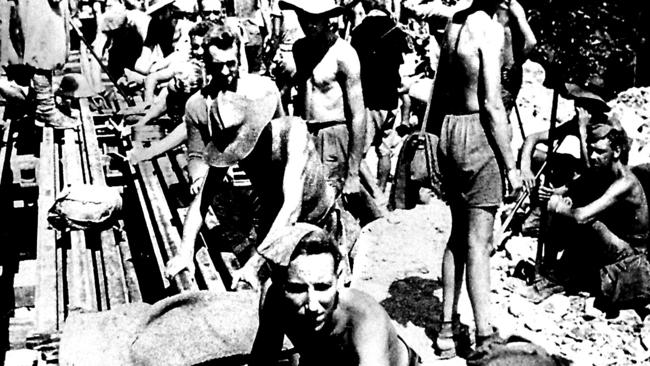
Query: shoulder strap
x=435 y=77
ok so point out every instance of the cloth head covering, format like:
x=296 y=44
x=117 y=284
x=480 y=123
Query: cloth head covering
x=592 y=100
x=280 y=249
x=325 y=8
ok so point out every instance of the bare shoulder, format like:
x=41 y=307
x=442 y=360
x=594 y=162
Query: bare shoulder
x=363 y=308
x=194 y=102
x=484 y=27
x=346 y=56
x=257 y=86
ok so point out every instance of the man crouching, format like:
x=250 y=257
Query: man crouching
x=327 y=324
x=602 y=217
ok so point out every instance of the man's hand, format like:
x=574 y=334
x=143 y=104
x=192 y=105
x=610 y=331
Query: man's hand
x=196 y=185
x=559 y=204
x=514 y=177
x=352 y=184
x=583 y=116
x=528 y=179
x=138 y=154
x=178 y=264
x=247 y=274
x=544 y=193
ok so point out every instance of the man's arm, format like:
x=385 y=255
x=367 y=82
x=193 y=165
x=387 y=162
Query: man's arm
x=490 y=40
x=197 y=167
x=169 y=142
x=152 y=80
x=582 y=215
x=350 y=71
x=270 y=335
x=292 y=190
x=518 y=13
x=157 y=109
x=371 y=335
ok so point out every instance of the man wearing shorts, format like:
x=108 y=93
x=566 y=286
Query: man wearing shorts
x=473 y=145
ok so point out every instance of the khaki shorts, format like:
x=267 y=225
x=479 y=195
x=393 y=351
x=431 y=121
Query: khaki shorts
x=380 y=132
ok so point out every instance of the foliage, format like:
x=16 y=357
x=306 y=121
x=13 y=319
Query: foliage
x=588 y=42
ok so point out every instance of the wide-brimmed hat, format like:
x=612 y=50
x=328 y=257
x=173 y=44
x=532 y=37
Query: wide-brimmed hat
x=594 y=101
x=243 y=122
x=325 y=8
x=155 y=5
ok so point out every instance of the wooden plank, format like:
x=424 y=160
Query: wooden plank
x=204 y=263
x=132 y=283
x=140 y=192
x=162 y=215
x=4 y=147
x=112 y=274
x=80 y=279
x=46 y=291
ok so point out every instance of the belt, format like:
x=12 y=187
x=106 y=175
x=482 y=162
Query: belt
x=315 y=126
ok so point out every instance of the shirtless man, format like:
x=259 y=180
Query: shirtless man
x=330 y=98
x=604 y=212
x=327 y=324
x=473 y=144
x=230 y=122
x=519 y=40
x=588 y=107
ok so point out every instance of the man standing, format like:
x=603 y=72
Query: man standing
x=378 y=37
x=330 y=98
x=230 y=122
x=327 y=324
x=37 y=36
x=473 y=142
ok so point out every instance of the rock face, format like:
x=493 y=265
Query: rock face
x=632 y=108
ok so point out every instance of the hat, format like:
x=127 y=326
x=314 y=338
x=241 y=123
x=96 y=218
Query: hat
x=325 y=8
x=113 y=19
x=155 y=5
x=592 y=100
x=285 y=241
x=604 y=126
x=74 y=85
x=240 y=126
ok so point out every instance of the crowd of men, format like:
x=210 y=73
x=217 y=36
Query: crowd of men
x=295 y=93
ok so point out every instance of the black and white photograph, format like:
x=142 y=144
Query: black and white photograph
x=324 y=182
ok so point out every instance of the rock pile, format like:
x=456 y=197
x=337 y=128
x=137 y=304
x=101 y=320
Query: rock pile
x=632 y=107
x=565 y=325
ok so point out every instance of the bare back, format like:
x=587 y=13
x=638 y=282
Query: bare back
x=469 y=40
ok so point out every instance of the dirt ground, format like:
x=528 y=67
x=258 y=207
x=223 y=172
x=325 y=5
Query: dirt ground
x=400 y=265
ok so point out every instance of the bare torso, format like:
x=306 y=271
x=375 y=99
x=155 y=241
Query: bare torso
x=344 y=342
x=323 y=97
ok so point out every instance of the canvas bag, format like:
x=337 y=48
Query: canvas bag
x=417 y=163
x=85 y=206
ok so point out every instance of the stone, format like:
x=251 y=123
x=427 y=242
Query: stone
x=558 y=305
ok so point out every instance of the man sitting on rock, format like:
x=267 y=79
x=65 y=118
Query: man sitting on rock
x=602 y=216
x=327 y=324
x=588 y=105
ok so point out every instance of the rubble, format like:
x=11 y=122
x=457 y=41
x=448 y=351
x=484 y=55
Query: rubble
x=632 y=107
x=566 y=325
